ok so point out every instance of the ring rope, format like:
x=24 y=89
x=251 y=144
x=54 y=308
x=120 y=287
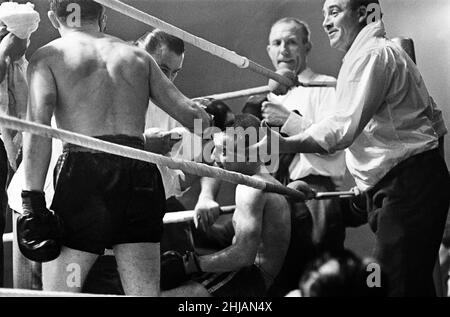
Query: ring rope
x=239 y=93
x=223 y=53
x=264 y=90
x=190 y=167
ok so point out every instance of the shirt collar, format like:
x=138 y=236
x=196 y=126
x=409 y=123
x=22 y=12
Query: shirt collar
x=371 y=30
x=306 y=75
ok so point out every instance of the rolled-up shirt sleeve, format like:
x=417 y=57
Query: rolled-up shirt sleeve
x=359 y=94
x=295 y=124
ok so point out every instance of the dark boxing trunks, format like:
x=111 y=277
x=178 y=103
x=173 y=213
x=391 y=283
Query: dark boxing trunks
x=104 y=199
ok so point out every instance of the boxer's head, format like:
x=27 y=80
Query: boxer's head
x=231 y=146
x=76 y=13
x=289 y=44
x=167 y=50
x=344 y=19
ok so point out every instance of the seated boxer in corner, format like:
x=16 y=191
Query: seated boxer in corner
x=261 y=222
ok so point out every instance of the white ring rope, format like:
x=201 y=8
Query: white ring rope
x=190 y=167
x=239 y=93
x=223 y=53
x=264 y=90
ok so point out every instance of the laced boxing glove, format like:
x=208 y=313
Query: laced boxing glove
x=176 y=269
x=39 y=230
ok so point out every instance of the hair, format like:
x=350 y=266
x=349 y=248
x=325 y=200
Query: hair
x=355 y=4
x=347 y=278
x=244 y=122
x=150 y=41
x=301 y=25
x=89 y=10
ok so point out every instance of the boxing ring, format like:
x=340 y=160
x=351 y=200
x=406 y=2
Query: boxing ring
x=190 y=167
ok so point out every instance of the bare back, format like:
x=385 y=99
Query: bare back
x=102 y=84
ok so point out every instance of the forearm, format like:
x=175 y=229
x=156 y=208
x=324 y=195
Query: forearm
x=300 y=143
x=178 y=106
x=229 y=259
x=209 y=188
x=11 y=147
x=190 y=112
x=36 y=159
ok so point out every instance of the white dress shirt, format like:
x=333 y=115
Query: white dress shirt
x=383 y=113
x=313 y=104
x=189 y=148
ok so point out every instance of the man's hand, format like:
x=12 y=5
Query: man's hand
x=207 y=119
x=264 y=146
x=274 y=114
x=160 y=142
x=13 y=47
x=206 y=213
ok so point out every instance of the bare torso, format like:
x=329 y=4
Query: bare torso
x=275 y=231
x=101 y=82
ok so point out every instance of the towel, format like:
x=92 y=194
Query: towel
x=20 y=19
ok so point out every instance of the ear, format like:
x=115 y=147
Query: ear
x=362 y=14
x=53 y=19
x=308 y=47
x=102 y=23
x=268 y=49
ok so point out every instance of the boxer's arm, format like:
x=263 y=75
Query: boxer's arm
x=248 y=221
x=207 y=210
x=41 y=104
x=171 y=100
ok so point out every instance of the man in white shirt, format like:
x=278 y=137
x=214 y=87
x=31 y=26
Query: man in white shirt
x=384 y=119
x=289 y=46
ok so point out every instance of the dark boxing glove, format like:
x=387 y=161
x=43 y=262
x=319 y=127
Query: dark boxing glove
x=39 y=230
x=176 y=269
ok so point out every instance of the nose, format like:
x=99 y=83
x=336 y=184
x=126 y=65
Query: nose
x=327 y=23
x=284 y=48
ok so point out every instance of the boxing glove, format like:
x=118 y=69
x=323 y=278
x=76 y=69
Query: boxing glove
x=281 y=89
x=219 y=110
x=39 y=230
x=176 y=269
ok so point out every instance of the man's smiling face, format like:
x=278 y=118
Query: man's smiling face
x=341 y=23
